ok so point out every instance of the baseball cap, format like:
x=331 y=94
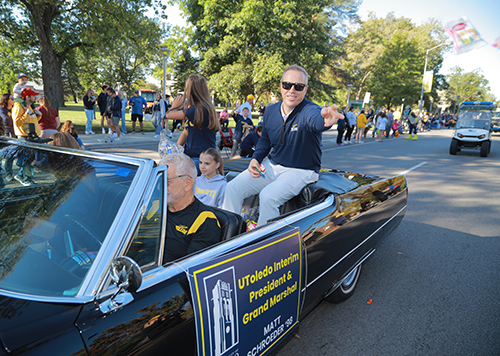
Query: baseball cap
x=250 y=96
x=137 y=91
x=27 y=92
x=20 y=75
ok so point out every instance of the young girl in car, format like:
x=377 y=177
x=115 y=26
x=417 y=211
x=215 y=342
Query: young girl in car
x=211 y=185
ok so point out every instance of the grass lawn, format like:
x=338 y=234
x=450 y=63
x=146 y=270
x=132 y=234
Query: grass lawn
x=76 y=113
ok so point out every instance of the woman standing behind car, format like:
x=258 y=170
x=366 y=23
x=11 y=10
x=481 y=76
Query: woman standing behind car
x=202 y=122
x=89 y=100
x=124 y=99
x=6 y=104
x=49 y=123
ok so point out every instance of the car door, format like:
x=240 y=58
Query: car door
x=159 y=316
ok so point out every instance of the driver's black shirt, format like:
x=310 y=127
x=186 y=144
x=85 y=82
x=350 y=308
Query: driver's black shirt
x=190 y=230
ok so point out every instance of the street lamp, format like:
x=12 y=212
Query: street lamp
x=425 y=69
x=349 y=87
x=164 y=52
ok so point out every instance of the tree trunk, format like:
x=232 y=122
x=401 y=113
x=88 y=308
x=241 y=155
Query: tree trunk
x=43 y=15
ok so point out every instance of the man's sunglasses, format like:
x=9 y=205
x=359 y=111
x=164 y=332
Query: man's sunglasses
x=288 y=86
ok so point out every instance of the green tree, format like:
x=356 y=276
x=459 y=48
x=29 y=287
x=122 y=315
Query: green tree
x=53 y=29
x=243 y=41
x=396 y=72
x=371 y=58
x=468 y=86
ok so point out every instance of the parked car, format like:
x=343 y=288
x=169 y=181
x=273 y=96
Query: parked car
x=82 y=273
x=473 y=127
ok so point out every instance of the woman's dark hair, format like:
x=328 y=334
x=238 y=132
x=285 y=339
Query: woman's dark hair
x=4 y=101
x=198 y=95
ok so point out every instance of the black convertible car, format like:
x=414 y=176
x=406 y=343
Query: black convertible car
x=81 y=270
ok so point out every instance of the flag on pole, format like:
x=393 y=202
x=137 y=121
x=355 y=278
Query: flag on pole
x=464 y=35
x=428 y=76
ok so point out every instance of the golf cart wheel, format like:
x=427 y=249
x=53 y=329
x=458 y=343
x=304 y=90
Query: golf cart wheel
x=453 y=147
x=485 y=148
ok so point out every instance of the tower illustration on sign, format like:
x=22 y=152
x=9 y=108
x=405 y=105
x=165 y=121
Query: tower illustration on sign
x=224 y=326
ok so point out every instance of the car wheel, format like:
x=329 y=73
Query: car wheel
x=453 y=147
x=484 y=148
x=346 y=289
x=489 y=147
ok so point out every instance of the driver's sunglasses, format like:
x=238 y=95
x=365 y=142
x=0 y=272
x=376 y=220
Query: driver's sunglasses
x=288 y=86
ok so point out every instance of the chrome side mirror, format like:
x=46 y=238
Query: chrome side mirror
x=126 y=274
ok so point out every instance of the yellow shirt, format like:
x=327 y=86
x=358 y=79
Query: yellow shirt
x=361 y=121
x=21 y=116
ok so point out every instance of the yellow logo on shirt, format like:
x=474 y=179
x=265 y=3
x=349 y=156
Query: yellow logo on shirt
x=210 y=193
x=182 y=229
x=294 y=128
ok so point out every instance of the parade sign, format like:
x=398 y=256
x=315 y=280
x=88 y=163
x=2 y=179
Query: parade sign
x=246 y=301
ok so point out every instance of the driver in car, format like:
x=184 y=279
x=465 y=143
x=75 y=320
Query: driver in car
x=191 y=225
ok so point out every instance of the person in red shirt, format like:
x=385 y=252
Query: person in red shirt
x=50 y=122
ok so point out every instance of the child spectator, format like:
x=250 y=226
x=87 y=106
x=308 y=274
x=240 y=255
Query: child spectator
x=68 y=128
x=243 y=123
x=22 y=79
x=211 y=185
x=250 y=142
x=224 y=118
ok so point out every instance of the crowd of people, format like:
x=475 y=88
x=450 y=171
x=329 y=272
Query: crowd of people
x=387 y=123
x=112 y=105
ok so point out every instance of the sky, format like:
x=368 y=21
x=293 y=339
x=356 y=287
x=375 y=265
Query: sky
x=483 y=14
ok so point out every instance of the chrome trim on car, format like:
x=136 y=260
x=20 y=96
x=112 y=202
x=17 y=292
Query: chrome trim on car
x=47 y=299
x=127 y=232
x=111 y=246
x=354 y=249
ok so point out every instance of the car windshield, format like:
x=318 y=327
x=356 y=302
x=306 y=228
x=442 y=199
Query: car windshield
x=52 y=229
x=477 y=119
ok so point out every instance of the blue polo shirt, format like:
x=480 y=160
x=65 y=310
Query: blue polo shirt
x=138 y=101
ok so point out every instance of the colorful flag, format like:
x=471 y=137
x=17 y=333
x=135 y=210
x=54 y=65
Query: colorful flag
x=497 y=43
x=464 y=35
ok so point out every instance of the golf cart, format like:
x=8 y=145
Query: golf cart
x=473 y=128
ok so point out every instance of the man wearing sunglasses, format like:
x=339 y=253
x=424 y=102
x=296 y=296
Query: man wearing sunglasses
x=288 y=154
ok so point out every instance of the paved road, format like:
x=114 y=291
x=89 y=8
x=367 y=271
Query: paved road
x=434 y=282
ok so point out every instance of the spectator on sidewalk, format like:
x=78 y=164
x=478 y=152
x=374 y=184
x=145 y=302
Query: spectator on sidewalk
x=361 y=122
x=89 y=101
x=124 y=100
x=139 y=105
x=115 y=110
x=102 y=103
x=350 y=124
x=50 y=122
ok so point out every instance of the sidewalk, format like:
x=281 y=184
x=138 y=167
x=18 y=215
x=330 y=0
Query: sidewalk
x=100 y=141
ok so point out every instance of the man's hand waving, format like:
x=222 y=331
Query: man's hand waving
x=331 y=115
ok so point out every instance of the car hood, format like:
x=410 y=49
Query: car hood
x=23 y=322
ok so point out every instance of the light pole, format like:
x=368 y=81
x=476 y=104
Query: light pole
x=349 y=87
x=164 y=52
x=425 y=69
